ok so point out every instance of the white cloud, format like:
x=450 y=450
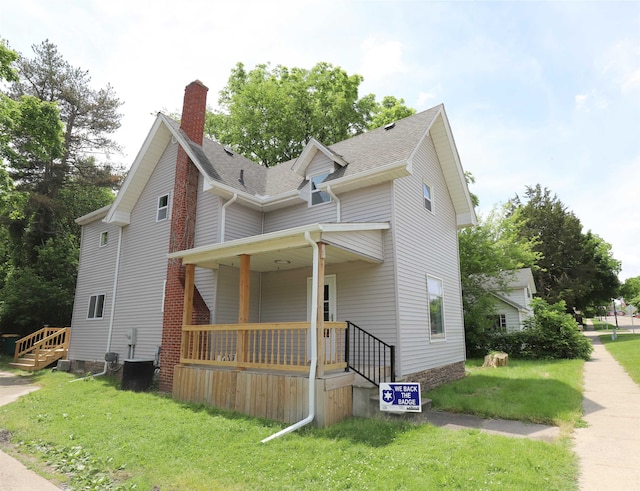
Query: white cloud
x=581 y=100
x=425 y=99
x=621 y=64
x=381 y=59
x=632 y=82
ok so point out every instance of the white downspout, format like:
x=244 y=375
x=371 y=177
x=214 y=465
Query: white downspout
x=338 y=207
x=113 y=308
x=223 y=218
x=314 y=346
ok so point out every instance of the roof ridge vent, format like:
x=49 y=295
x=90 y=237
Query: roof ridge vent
x=389 y=126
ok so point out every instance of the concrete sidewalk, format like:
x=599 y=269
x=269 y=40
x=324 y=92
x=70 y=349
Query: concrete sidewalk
x=14 y=476
x=609 y=448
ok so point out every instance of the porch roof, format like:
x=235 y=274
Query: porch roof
x=288 y=249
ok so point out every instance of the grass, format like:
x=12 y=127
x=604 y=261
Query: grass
x=601 y=325
x=95 y=436
x=626 y=350
x=548 y=392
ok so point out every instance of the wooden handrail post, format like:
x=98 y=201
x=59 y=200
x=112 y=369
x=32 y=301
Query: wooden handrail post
x=243 y=308
x=187 y=312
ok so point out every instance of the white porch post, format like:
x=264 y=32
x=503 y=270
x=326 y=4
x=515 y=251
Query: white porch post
x=319 y=279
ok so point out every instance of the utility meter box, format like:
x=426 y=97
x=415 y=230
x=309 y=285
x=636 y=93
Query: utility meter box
x=132 y=334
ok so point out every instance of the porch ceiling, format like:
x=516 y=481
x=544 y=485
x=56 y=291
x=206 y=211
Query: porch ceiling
x=288 y=249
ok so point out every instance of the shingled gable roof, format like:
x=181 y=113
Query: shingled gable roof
x=309 y=152
x=378 y=155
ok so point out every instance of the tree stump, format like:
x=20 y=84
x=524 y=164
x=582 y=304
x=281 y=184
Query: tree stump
x=496 y=360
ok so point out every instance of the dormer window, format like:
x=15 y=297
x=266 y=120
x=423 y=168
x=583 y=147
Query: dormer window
x=318 y=196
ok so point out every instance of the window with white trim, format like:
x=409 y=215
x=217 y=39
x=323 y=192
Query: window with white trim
x=426 y=193
x=96 y=306
x=436 y=306
x=500 y=322
x=318 y=196
x=104 y=238
x=163 y=208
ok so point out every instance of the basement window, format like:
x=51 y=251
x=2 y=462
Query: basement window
x=96 y=306
x=163 y=208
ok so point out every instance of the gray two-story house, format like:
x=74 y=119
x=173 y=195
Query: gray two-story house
x=262 y=289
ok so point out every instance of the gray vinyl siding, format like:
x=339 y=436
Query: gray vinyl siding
x=95 y=276
x=320 y=164
x=242 y=222
x=207 y=217
x=365 y=291
x=512 y=316
x=228 y=296
x=284 y=295
x=207 y=232
x=144 y=265
x=372 y=204
x=517 y=295
x=426 y=243
x=298 y=215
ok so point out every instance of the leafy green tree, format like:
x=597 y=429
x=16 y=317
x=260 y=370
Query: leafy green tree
x=7 y=58
x=630 y=291
x=600 y=269
x=573 y=267
x=269 y=114
x=50 y=120
x=389 y=110
x=489 y=252
x=89 y=115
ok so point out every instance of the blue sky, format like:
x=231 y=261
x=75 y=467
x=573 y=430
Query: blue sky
x=536 y=92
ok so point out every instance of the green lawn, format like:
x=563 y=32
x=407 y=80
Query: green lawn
x=599 y=325
x=101 y=437
x=626 y=350
x=547 y=392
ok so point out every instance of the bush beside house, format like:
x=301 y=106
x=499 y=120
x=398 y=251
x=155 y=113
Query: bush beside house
x=550 y=334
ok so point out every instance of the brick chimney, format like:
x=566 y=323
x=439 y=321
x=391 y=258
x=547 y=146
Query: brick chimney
x=182 y=234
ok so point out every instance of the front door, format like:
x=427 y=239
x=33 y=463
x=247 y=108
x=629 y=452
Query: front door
x=329 y=310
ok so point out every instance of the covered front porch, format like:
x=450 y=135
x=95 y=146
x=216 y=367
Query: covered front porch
x=265 y=369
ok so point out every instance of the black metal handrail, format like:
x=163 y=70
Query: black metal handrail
x=369 y=356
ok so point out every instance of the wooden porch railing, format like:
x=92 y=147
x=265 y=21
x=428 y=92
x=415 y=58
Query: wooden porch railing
x=41 y=348
x=275 y=346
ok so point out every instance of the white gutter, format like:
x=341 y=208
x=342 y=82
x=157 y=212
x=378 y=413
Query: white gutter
x=337 y=200
x=113 y=309
x=223 y=218
x=314 y=347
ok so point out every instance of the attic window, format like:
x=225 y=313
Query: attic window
x=104 y=238
x=163 y=208
x=318 y=196
x=426 y=193
x=389 y=126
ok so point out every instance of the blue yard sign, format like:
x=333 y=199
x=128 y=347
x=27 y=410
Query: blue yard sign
x=402 y=398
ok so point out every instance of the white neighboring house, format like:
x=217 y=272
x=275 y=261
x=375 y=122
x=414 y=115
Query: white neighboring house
x=513 y=305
